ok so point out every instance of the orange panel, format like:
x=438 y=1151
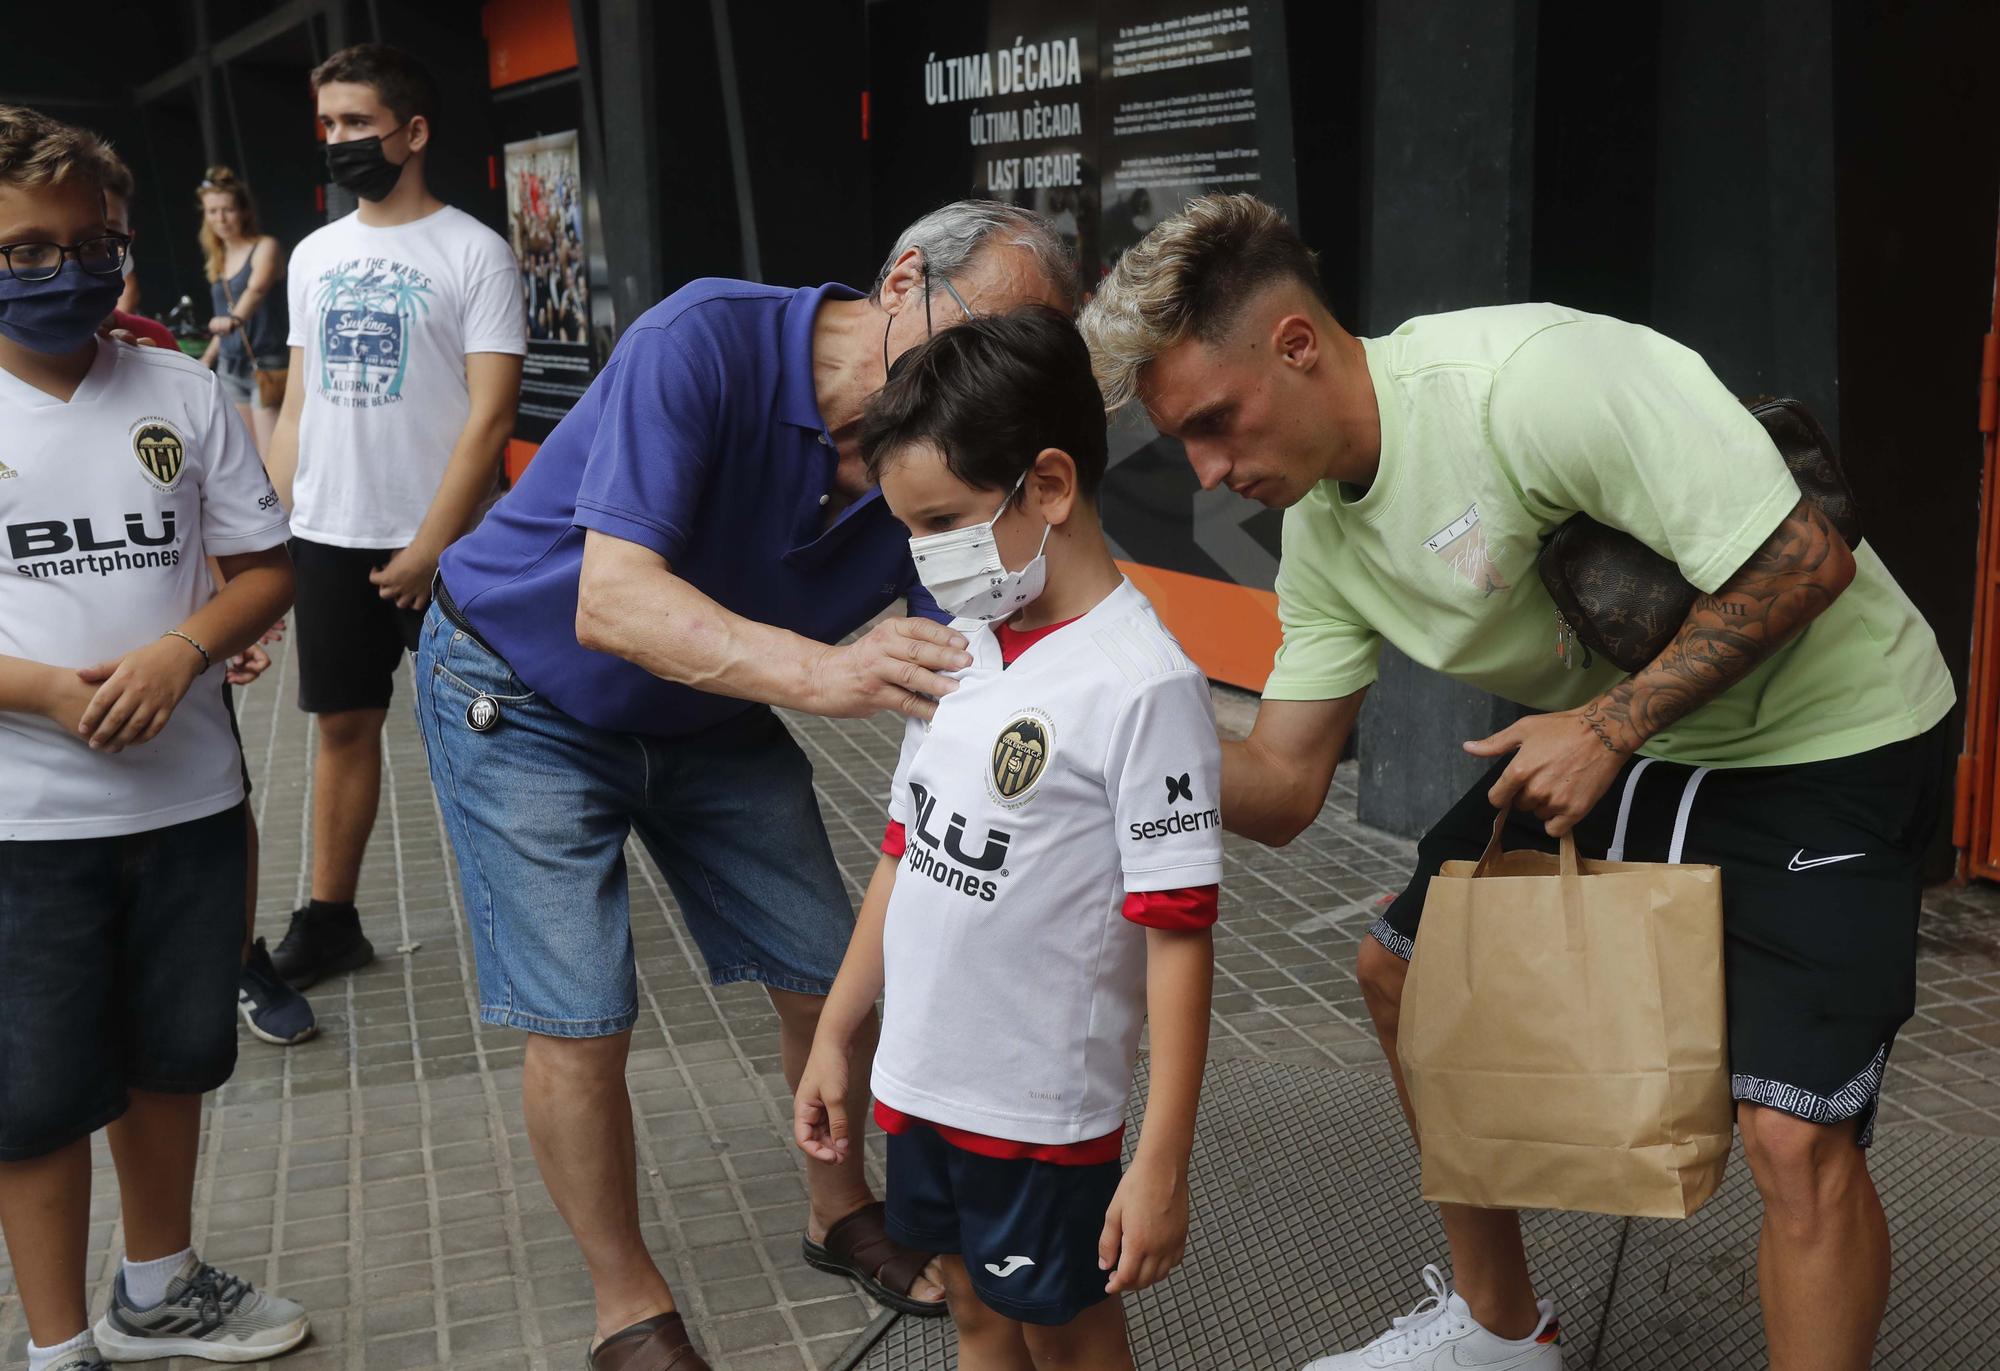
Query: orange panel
x=1231 y=631
x=519 y=453
x=1975 y=830
x=526 y=39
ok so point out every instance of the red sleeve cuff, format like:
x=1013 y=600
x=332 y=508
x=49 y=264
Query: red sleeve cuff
x=893 y=841
x=1189 y=909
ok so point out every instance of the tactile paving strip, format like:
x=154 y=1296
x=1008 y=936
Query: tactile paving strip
x=1687 y=1293
x=1308 y=1235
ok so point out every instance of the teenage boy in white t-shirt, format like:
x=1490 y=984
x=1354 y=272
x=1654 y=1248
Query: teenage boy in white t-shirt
x=1049 y=877
x=407 y=339
x=121 y=826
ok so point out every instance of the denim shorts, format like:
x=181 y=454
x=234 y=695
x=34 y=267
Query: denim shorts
x=118 y=967
x=538 y=807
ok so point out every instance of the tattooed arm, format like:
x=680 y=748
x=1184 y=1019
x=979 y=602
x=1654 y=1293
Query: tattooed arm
x=1786 y=584
x=1565 y=762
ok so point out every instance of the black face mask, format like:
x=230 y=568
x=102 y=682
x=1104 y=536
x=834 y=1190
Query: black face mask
x=358 y=165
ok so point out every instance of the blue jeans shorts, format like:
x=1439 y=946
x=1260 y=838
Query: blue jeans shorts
x=118 y=966
x=538 y=807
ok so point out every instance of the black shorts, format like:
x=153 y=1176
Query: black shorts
x=1028 y=1230
x=229 y=707
x=1821 y=888
x=349 y=640
x=118 y=966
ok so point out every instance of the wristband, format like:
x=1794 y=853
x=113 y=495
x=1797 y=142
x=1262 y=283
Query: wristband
x=206 y=660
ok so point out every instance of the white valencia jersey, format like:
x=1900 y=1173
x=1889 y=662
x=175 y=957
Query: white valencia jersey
x=1037 y=798
x=109 y=506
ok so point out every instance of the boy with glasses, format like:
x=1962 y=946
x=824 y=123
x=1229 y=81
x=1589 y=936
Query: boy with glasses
x=121 y=824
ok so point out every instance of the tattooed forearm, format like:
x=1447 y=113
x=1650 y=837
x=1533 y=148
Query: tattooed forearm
x=1786 y=583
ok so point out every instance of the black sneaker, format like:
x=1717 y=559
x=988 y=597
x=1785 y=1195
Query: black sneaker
x=274 y=1011
x=322 y=941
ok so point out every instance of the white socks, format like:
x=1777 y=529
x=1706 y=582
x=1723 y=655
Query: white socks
x=146 y=1282
x=42 y=1358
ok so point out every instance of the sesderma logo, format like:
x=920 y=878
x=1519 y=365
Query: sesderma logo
x=1191 y=822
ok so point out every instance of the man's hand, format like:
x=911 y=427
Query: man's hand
x=137 y=693
x=247 y=665
x=1145 y=1230
x=405 y=579
x=274 y=634
x=1562 y=766
x=819 y=1106
x=895 y=667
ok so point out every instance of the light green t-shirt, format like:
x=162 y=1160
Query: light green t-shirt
x=1497 y=425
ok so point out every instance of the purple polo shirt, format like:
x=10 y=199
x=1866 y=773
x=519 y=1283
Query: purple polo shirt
x=702 y=440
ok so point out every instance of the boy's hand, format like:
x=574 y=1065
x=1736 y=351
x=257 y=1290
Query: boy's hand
x=819 y=1108
x=1145 y=1230
x=247 y=665
x=137 y=693
x=67 y=699
x=405 y=579
x=274 y=634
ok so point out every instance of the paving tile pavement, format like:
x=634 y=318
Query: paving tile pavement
x=381 y=1173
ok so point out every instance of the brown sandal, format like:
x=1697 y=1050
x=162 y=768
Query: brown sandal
x=859 y=1247
x=656 y=1344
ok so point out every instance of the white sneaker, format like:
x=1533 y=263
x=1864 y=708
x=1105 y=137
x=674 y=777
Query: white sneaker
x=1440 y=1334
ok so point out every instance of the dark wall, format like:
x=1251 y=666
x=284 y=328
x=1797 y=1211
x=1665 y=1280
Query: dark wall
x=1918 y=128
x=460 y=161
x=1449 y=195
x=801 y=68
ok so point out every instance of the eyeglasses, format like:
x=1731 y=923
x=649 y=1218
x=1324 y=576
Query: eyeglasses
x=103 y=256
x=949 y=289
x=930 y=328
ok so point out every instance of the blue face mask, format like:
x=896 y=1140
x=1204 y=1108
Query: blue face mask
x=60 y=314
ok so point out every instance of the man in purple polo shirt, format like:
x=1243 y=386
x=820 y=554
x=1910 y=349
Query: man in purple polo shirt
x=600 y=659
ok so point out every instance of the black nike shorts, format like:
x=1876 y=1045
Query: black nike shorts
x=1821 y=888
x=1028 y=1230
x=349 y=640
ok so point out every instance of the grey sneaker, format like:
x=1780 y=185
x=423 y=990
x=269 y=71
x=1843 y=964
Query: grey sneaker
x=208 y=1314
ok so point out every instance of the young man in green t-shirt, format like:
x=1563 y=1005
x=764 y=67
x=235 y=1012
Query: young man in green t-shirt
x=1792 y=733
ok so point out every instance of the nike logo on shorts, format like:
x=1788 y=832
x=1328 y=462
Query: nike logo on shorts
x=1799 y=863
x=1013 y=1264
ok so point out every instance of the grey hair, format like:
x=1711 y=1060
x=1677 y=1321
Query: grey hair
x=950 y=236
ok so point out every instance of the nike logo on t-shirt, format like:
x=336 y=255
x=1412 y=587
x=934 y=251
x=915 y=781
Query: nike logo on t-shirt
x=1800 y=864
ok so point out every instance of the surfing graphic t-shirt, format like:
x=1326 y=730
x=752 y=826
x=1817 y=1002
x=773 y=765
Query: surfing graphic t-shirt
x=385 y=317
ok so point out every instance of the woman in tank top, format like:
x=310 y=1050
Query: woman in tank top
x=245 y=274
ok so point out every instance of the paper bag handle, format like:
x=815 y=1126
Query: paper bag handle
x=1569 y=873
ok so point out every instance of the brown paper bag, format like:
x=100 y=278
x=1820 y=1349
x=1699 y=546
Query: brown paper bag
x=1563 y=1034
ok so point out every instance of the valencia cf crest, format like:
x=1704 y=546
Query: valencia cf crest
x=482 y=713
x=1020 y=755
x=160 y=451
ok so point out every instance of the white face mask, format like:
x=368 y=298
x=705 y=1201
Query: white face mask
x=962 y=570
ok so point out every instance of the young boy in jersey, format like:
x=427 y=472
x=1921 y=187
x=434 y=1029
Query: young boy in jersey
x=121 y=823
x=1049 y=877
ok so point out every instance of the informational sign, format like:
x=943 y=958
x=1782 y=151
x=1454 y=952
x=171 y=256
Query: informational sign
x=545 y=224
x=1108 y=116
